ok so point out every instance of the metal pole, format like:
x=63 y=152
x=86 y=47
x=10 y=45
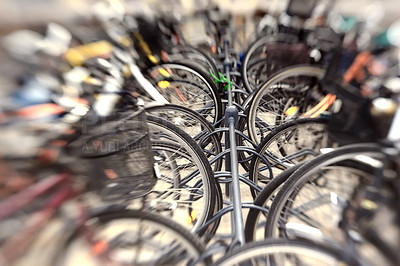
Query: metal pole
x=231 y=118
x=227 y=68
x=235 y=187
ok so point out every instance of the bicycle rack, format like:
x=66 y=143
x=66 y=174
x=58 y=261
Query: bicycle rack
x=231 y=177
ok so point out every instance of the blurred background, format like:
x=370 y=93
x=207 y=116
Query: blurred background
x=20 y=13
x=35 y=14
x=79 y=18
x=26 y=80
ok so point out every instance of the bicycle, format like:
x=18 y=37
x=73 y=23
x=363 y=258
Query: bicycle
x=285 y=44
x=311 y=192
x=142 y=233
x=170 y=79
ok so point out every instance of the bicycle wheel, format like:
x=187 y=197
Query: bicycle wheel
x=313 y=198
x=255 y=221
x=255 y=61
x=373 y=213
x=186 y=85
x=244 y=157
x=188 y=185
x=130 y=237
x=283 y=97
x=189 y=54
x=193 y=124
x=287 y=252
x=289 y=144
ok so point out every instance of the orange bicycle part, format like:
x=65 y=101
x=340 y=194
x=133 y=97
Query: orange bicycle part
x=181 y=96
x=322 y=106
x=99 y=247
x=355 y=71
x=325 y=106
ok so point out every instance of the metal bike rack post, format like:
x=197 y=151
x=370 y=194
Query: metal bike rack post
x=231 y=119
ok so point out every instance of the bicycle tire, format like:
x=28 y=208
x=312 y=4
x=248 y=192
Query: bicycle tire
x=246 y=61
x=195 y=75
x=177 y=195
x=266 y=89
x=205 y=62
x=243 y=125
x=264 y=252
x=244 y=160
x=182 y=141
x=300 y=177
x=161 y=232
x=265 y=198
x=286 y=134
x=194 y=124
x=262 y=199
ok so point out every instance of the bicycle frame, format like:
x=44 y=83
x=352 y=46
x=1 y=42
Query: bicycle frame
x=18 y=243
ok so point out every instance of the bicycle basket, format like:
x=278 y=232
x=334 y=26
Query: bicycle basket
x=353 y=123
x=281 y=55
x=287 y=54
x=118 y=157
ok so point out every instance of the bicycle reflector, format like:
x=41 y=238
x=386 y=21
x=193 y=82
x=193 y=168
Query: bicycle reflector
x=291 y=111
x=163 y=84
